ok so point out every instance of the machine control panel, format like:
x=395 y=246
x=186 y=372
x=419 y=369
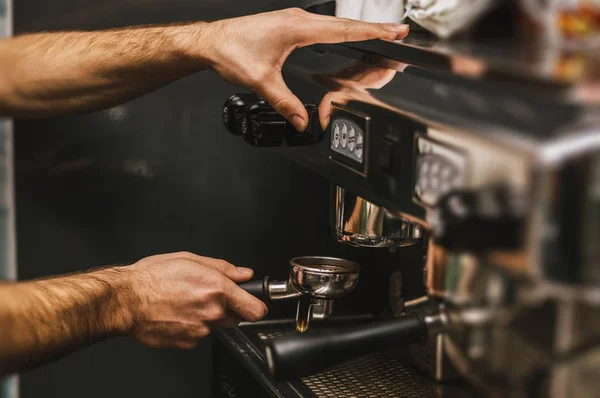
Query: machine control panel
x=349 y=136
x=439 y=169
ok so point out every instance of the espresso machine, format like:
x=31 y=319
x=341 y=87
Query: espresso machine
x=486 y=166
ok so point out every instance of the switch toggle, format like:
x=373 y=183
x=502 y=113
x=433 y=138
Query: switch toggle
x=250 y=116
x=313 y=133
x=266 y=131
x=261 y=111
x=233 y=108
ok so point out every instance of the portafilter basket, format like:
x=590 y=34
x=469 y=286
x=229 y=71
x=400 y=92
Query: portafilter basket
x=315 y=281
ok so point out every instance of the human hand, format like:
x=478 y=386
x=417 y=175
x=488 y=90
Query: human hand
x=250 y=51
x=351 y=80
x=182 y=296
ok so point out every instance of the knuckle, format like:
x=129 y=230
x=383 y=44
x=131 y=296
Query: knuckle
x=282 y=105
x=184 y=255
x=217 y=292
x=348 y=28
x=258 y=313
x=224 y=265
x=385 y=31
x=295 y=11
x=202 y=332
x=256 y=77
x=216 y=313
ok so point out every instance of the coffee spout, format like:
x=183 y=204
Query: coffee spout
x=311 y=308
x=303 y=313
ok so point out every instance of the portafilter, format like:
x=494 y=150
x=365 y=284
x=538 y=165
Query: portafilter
x=315 y=281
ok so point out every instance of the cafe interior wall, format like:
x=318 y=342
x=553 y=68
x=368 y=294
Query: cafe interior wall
x=158 y=174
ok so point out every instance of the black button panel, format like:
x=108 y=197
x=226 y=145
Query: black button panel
x=439 y=169
x=349 y=138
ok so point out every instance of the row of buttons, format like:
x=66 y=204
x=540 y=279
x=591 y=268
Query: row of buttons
x=348 y=138
x=436 y=174
x=440 y=169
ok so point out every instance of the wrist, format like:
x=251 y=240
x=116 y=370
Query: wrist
x=194 y=44
x=123 y=305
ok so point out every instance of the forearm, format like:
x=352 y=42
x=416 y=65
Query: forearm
x=50 y=74
x=44 y=320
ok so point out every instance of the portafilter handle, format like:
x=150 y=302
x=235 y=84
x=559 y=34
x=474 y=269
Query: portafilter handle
x=259 y=288
x=297 y=355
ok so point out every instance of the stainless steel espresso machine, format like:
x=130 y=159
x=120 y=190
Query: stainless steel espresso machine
x=484 y=159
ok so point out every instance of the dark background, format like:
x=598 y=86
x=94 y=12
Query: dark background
x=159 y=174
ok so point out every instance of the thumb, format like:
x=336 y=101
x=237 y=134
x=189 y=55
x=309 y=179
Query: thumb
x=277 y=93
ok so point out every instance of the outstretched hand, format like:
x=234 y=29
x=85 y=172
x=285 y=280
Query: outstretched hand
x=250 y=51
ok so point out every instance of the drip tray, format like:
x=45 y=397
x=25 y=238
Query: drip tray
x=380 y=375
x=374 y=376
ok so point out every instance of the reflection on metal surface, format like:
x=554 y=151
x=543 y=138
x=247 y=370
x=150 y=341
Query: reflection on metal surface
x=514 y=273
x=446 y=18
x=315 y=281
x=303 y=314
x=324 y=277
x=502 y=58
x=361 y=223
x=117 y=113
x=320 y=280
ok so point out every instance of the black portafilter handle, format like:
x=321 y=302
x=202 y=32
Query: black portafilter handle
x=259 y=288
x=296 y=355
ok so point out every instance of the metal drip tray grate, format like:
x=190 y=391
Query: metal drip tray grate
x=380 y=375
x=375 y=377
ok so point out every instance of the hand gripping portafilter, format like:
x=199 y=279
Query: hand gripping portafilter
x=314 y=281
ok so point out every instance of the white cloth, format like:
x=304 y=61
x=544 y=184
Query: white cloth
x=378 y=11
x=351 y=9
x=447 y=17
x=383 y=11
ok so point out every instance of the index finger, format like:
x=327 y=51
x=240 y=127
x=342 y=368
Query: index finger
x=331 y=30
x=244 y=304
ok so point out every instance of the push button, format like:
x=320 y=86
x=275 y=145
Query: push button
x=344 y=136
x=351 y=139
x=335 y=137
x=359 y=146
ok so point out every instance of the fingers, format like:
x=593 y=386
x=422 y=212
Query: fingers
x=325 y=106
x=237 y=274
x=338 y=30
x=244 y=304
x=276 y=93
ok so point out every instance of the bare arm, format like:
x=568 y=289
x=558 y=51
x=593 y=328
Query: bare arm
x=170 y=300
x=44 y=319
x=52 y=74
